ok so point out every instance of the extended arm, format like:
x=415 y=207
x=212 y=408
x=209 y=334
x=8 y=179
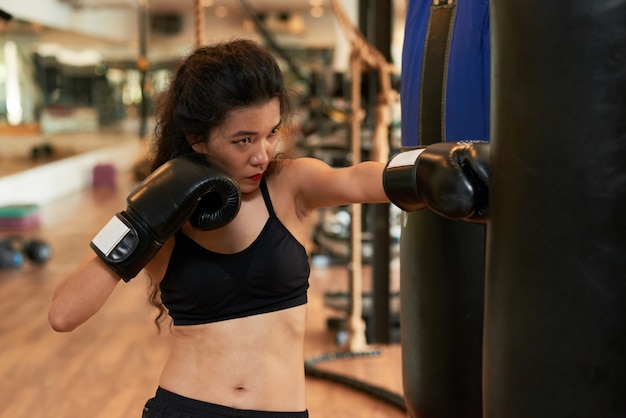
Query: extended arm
x=451 y=179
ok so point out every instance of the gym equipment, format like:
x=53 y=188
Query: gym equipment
x=332 y=236
x=15 y=250
x=363 y=54
x=445 y=98
x=41 y=151
x=311 y=370
x=186 y=188
x=555 y=327
x=104 y=175
x=442 y=270
x=340 y=302
x=19 y=216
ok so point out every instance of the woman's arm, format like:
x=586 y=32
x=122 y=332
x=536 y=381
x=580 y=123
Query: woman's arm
x=80 y=295
x=320 y=185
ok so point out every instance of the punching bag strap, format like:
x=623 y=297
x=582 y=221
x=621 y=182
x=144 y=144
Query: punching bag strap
x=435 y=71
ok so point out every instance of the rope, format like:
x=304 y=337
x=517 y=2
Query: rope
x=356 y=326
x=367 y=51
x=371 y=56
x=199 y=21
x=372 y=390
x=363 y=54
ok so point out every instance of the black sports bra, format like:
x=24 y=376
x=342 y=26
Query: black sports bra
x=201 y=286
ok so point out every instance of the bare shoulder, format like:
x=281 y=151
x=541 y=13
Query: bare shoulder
x=303 y=166
x=301 y=172
x=294 y=174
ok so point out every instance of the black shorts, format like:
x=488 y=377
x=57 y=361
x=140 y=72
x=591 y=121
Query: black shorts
x=166 y=404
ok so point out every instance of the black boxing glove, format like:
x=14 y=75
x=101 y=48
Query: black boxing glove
x=452 y=179
x=185 y=188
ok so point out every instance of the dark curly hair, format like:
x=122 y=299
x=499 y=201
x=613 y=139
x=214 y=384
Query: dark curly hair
x=206 y=86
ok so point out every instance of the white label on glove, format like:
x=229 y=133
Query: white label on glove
x=111 y=235
x=406 y=158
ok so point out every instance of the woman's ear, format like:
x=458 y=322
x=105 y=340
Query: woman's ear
x=197 y=142
x=198 y=147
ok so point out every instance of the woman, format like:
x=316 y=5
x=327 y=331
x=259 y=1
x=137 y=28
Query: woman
x=237 y=294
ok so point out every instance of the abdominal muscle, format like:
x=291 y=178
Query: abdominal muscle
x=254 y=362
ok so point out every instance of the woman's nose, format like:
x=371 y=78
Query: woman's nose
x=261 y=154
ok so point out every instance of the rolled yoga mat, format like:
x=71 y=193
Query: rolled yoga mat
x=555 y=330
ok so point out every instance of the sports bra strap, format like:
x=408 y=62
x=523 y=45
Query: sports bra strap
x=266 y=198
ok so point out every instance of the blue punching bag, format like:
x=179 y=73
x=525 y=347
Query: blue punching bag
x=445 y=97
x=555 y=329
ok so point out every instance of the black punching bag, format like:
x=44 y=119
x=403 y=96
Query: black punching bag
x=445 y=98
x=555 y=330
x=442 y=269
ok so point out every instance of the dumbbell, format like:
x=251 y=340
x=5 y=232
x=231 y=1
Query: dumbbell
x=41 y=151
x=15 y=250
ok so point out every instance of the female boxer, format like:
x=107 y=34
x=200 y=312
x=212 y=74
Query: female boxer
x=236 y=294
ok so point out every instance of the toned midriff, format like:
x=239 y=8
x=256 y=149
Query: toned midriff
x=255 y=362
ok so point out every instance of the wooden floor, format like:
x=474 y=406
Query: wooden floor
x=110 y=366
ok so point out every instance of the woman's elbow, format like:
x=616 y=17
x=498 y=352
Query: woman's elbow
x=60 y=321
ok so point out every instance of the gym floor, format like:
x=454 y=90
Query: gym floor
x=110 y=366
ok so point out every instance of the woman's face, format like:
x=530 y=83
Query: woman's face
x=245 y=143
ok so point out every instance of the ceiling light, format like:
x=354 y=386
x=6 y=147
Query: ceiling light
x=317 y=11
x=296 y=24
x=221 y=11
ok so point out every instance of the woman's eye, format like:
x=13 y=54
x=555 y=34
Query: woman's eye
x=246 y=140
x=275 y=130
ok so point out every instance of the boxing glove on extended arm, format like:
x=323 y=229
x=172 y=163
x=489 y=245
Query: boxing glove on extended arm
x=452 y=179
x=185 y=188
